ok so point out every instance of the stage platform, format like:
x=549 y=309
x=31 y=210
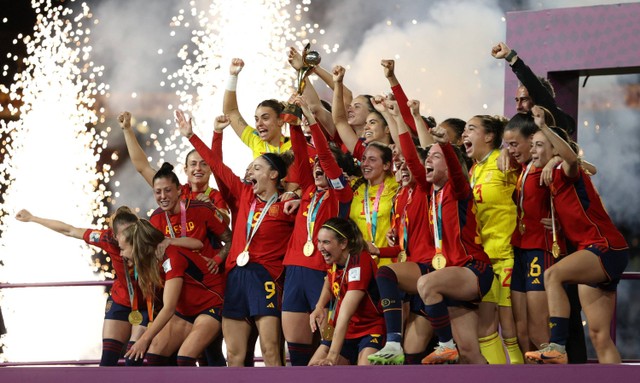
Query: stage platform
x=369 y=374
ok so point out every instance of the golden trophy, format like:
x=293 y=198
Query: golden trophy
x=292 y=113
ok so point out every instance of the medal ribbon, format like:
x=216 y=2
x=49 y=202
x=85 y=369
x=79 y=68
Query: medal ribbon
x=404 y=223
x=334 y=302
x=251 y=231
x=183 y=221
x=312 y=212
x=553 y=219
x=437 y=215
x=521 y=181
x=133 y=298
x=372 y=220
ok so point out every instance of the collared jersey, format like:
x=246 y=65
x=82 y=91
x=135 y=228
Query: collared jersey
x=105 y=240
x=383 y=223
x=201 y=290
x=358 y=274
x=203 y=223
x=329 y=203
x=495 y=209
x=251 y=138
x=582 y=216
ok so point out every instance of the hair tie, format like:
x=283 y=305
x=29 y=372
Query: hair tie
x=334 y=229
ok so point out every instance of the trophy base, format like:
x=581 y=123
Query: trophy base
x=292 y=114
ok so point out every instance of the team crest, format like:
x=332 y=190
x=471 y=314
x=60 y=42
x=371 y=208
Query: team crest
x=274 y=210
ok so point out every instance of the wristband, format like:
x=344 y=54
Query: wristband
x=232 y=81
x=511 y=55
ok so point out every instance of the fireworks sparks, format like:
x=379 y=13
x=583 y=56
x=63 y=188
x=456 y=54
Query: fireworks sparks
x=50 y=168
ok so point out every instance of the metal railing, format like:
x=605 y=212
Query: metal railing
x=625 y=276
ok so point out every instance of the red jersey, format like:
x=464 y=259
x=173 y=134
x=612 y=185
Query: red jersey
x=582 y=216
x=455 y=205
x=105 y=240
x=203 y=223
x=328 y=203
x=359 y=274
x=533 y=203
x=214 y=196
x=201 y=290
x=411 y=209
x=358 y=150
x=270 y=241
x=405 y=111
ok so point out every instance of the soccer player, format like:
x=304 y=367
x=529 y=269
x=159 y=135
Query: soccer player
x=600 y=259
x=354 y=322
x=326 y=193
x=267 y=136
x=461 y=272
x=126 y=300
x=496 y=215
x=189 y=292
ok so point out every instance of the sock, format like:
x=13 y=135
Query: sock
x=185 y=361
x=513 y=349
x=213 y=352
x=448 y=344
x=492 y=350
x=391 y=302
x=300 y=353
x=157 y=360
x=559 y=330
x=130 y=362
x=415 y=358
x=111 y=350
x=438 y=315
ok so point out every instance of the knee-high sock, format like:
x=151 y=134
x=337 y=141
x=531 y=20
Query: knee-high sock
x=111 y=350
x=559 y=330
x=492 y=350
x=213 y=352
x=130 y=362
x=185 y=361
x=300 y=353
x=391 y=303
x=438 y=315
x=157 y=360
x=513 y=349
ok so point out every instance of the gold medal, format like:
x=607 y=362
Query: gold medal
x=327 y=332
x=439 y=261
x=555 y=249
x=308 y=249
x=135 y=317
x=402 y=256
x=521 y=228
x=243 y=259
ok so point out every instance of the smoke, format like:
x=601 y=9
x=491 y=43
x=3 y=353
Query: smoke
x=442 y=52
x=608 y=135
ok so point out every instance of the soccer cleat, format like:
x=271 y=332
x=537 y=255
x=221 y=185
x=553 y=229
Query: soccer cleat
x=388 y=355
x=551 y=354
x=442 y=355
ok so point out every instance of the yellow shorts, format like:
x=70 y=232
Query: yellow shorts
x=500 y=292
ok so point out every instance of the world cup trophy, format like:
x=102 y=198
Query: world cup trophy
x=292 y=113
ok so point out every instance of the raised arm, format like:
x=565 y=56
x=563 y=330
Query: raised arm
x=540 y=95
x=398 y=93
x=311 y=96
x=387 y=108
x=230 y=100
x=223 y=174
x=570 y=162
x=424 y=136
x=136 y=153
x=57 y=226
x=347 y=135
